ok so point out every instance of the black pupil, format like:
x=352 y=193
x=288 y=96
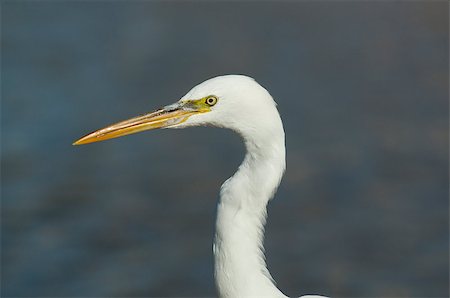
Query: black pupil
x=210 y=100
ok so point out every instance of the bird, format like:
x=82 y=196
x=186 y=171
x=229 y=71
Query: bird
x=239 y=103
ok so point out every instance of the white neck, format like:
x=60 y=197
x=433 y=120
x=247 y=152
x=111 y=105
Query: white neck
x=240 y=267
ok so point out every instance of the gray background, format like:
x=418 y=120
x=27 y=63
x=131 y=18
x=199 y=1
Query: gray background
x=362 y=90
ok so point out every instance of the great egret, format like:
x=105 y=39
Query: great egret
x=238 y=103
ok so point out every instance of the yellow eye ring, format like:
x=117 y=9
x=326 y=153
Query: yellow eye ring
x=211 y=100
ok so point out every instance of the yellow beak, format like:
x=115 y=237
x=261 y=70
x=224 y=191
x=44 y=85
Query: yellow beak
x=165 y=117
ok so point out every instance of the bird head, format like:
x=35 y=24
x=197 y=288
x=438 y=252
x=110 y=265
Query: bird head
x=236 y=102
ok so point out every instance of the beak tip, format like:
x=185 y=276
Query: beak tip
x=81 y=141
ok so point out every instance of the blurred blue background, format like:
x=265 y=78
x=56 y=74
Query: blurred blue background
x=362 y=88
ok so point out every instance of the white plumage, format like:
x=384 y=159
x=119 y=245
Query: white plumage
x=239 y=103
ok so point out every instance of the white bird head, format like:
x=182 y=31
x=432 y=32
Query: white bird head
x=235 y=102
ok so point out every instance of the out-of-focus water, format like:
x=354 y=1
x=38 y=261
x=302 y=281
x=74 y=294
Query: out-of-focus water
x=362 y=89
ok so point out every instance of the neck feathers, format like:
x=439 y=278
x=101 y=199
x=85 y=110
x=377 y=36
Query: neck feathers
x=240 y=266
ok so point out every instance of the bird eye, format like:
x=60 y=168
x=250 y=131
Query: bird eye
x=211 y=100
